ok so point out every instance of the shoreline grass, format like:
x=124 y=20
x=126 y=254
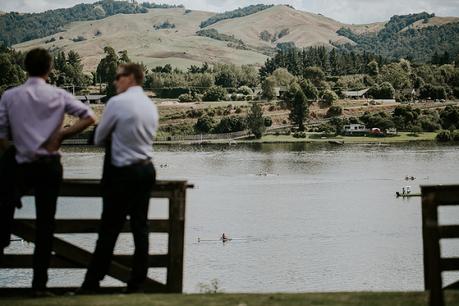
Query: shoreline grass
x=297 y=299
x=269 y=139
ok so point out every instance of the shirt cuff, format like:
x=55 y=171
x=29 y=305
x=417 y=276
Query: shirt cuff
x=87 y=113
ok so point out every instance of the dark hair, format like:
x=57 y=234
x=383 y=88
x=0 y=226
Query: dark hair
x=38 y=62
x=136 y=70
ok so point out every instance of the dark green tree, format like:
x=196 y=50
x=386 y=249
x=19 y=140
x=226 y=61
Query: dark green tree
x=255 y=120
x=268 y=88
x=298 y=105
x=215 y=93
x=309 y=90
x=205 y=124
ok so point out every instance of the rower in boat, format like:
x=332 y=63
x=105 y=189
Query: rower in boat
x=224 y=238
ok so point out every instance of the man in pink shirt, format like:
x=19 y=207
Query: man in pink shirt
x=32 y=114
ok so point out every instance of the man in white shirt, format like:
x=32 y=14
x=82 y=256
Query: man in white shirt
x=128 y=127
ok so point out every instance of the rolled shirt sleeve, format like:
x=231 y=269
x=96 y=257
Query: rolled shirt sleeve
x=106 y=124
x=76 y=108
x=4 y=122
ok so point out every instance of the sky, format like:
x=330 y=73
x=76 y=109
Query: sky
x=347 y=11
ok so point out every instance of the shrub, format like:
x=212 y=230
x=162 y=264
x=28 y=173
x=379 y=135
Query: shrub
x=186 y=98
x=215 y=93
x=415 y=130
x=429 y=124
x=327 y=129
x=171 y=92
x=231 y=124
x=205 y=124
x=299 y=135
x=383 y=91
x=429 y=91
x=164 y=25
x=444 y=136
x=194 y=113
x=265 y=35
x=268 y=121
x=334 y=111
x=328 y=98
x=79 y=38
x=455 y=136
x=245 y=90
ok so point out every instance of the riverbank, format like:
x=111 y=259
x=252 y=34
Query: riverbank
x=303 y=299
x=314 y=138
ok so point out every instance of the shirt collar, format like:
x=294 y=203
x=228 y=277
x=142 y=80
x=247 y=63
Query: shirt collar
x=135 y=89
x=35 y=80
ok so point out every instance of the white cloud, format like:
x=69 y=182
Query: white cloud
x=349 y=11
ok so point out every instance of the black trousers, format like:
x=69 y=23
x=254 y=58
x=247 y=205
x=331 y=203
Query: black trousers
x=126 y=193
x=10 y=197
x=44 y=177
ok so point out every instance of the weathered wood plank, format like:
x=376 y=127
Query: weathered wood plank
x=79 y=256
x=425 y=252
x=176 y=241
x=92 y=189
x=24 y=261
x=87 y=226
x=21 y=291
x=432 y=248
x=449 y=264
x=442 y=195
x=69 y=256
x=448 y=231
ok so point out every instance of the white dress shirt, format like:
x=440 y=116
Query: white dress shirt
x=131 y=119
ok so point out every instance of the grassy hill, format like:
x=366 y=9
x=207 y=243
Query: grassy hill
x=146 y=42
x=303 y=28
x=162 y=36
x=181 y=46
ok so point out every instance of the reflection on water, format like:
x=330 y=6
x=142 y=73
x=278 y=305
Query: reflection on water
x=311 y=217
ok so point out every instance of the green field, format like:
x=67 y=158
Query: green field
x=303 y=299
x=402 y=137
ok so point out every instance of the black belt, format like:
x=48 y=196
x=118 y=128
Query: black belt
x=142 y=162
x=47 y=158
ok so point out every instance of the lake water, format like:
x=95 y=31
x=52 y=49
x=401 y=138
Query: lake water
x=313 y=217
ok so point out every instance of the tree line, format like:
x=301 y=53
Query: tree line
x=240 y=12
x=399 y=39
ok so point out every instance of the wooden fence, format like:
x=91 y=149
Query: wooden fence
x=434 y=197
x=69 y=256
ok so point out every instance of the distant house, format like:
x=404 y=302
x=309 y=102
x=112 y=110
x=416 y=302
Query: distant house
x=392 y=131
x=359 y=94
x=91 y=99
x=280 y=90
x=355 y=129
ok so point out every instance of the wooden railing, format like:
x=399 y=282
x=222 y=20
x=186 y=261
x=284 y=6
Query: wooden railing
x=434 y=197
x=69 y=256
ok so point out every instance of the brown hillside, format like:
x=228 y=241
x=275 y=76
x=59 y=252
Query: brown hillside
x=305 y=29
x=135 y=33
